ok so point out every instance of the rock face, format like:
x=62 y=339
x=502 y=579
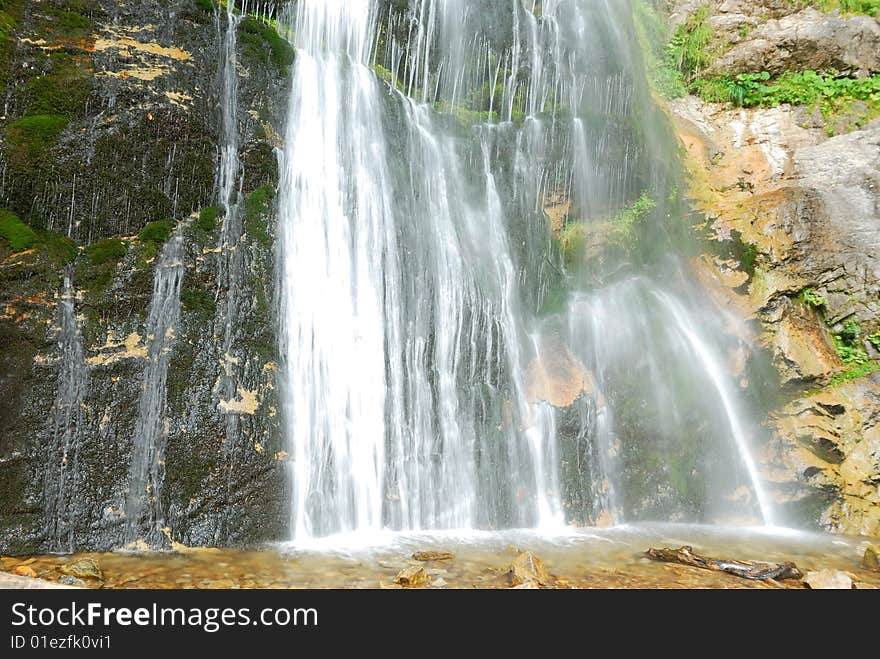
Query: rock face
x=110 y=137
x=798 y=215
x=808 y=39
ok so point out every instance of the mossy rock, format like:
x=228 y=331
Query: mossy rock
x=62 y=90
x=18 y=235
x=262 y=43
x=30 y=141
x=256 y=211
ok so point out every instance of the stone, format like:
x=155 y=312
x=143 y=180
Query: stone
x=440 y=582
x=433 y=556
x=411 y=576
x=84 y=568
x=70 y=580
x=828 y=580
x=808 y=39
x=871 y=559
x=25 y=571
x=528 y=568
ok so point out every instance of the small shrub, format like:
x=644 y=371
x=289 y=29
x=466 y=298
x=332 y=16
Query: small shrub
x=812 y=299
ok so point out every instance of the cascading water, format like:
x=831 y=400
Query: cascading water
x=425 y=152
x=143 y=509
x=60 y=485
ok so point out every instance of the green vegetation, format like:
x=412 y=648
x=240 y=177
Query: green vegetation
x=62 y=91
x=206 y=222
x=689 y=50
x=874 y=340
x=626 y=223
x=847 y=345
x=16 y=233
x=663 y=75
x=833 y=95
x=154 y=235
x=262 y=42
x=205 y=5
x=859 y=371
x=198 y=301
x=572 y=241
x=256 y=209
x=109 y=250
x=812 y=299
x=30 y=139
x=867 y=7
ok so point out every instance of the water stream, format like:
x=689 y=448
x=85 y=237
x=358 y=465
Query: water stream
x=144 y=515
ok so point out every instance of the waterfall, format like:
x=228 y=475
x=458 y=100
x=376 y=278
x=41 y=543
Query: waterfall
x=143 y=507
x=60 y=486
x=429 y=153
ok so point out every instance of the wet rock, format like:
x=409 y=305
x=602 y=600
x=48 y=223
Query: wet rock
x=411 y=576
x=433 y=556
x=828 y=580
x=527 y=569
x=439 y=583
x=84 y=568
x=871 y=559
x=70 y=580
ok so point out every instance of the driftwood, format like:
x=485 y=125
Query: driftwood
x=744 y=569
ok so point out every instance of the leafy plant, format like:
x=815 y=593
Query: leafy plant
x=625 y=223
x=689 y=48
x=812 y=299
x=846 y=343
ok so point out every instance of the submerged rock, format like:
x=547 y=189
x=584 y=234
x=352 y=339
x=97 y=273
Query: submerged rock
x=25 y=571
x=528 y=571
x=433 y=556
x=84 y=568
x=871 y=559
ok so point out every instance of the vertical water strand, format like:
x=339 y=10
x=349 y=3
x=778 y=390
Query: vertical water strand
x=334 y=211
x=143 y=510
x=231 y=254
x=60 y=486
x=712 y=367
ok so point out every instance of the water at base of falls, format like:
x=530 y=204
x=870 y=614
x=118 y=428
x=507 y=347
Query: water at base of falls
x=414 y=256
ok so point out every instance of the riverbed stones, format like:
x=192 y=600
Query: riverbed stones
x=871 y=559
x=433 y=556
x=84 y=568
x=828 y=580
x=411 y=576
x=528 y=570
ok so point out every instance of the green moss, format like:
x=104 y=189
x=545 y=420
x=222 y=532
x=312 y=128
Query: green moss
x=16 y=233
x=156 y=232
x=205 y=5
x=198 y=301
x=30 y=139
x=109 y=250
x=572 y=242
x=61 y=249
x=207 y=219
x=256 y=211
x=62 y=91
x=262 y=42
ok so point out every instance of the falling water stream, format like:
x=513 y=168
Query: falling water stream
x=426 y=150
x=60 y=486
x=143 y=507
